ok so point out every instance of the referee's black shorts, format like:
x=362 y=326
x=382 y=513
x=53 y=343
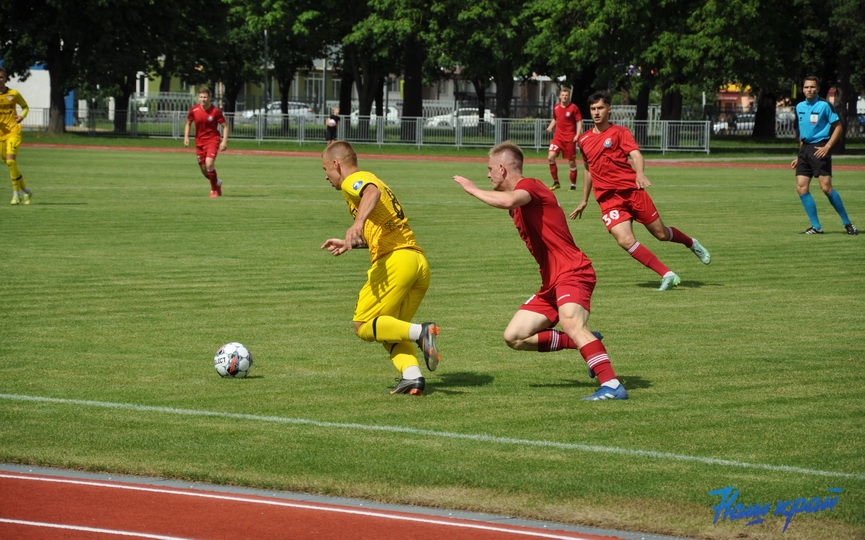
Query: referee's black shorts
x=810 y=165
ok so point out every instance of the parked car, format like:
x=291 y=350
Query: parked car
x=468 y=118
x=296 y=109
x=739 y=123
x=391 y=116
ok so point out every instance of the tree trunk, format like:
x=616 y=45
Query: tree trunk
x=671 y=105
x=641 y=132
x=57 y=74
x=504 y=93
x=764 y=119
x=412 y=105
x=122 y=113
x=844 y=98
x=345 y=92
x=165 y=74
x=283 y=82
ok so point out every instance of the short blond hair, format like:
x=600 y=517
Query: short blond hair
x=513 y=151
x=341 y=151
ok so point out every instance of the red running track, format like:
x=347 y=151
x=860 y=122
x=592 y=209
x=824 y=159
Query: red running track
x=48 y=507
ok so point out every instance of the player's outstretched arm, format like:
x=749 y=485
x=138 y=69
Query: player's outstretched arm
x=336 y=246
x=497 y=199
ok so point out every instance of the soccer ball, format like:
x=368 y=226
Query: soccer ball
x=331 y=122
x=233 y=360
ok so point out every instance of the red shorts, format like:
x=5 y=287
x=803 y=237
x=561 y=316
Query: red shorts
x=568 y=149
x=207 y=149
x=573 y=287
x=619 y=206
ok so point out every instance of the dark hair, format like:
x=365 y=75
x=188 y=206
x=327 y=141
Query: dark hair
x=812 y=78
x=600 y=96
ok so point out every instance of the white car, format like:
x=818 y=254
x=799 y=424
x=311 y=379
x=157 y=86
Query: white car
x=391 y=116
x=296 y=109
x=468 y=118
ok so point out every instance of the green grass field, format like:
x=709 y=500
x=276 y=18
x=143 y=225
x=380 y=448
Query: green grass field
x=122 y=279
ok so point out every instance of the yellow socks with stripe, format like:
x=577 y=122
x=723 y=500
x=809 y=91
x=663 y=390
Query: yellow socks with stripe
x=384 y=329
x=402 y=355
x=14 y=172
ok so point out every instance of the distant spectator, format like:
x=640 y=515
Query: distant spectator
x=332 y=126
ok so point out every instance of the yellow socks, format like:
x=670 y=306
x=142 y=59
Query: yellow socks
x=384 y=329
x=402 y=355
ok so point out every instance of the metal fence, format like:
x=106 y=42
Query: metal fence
x=469 y=131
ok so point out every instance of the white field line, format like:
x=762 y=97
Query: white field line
x=446 y=434
x=39 y=524
x=288 y=504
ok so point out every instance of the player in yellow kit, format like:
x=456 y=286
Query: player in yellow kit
x=399 y=275
x=10 y=137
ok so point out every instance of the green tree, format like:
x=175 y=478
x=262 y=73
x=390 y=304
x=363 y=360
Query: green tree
x=831 y=48
x=47 y=32
x=375 y=46
x=485 y=42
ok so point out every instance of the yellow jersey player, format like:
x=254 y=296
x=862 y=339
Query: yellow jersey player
x=10 y=137
x=399 y=275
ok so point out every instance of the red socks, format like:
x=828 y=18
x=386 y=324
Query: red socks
x=679 y=237
x=554 y=340
x=645 y=256
x=211 y=176
x=554 y=172
x=596 y=357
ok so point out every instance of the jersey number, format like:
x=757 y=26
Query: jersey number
x=611 y=217
x=397 y=207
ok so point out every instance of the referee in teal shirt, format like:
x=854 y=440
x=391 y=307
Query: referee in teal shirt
x=819 y=130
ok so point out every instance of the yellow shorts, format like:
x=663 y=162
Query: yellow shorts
x=395 y=286
x=10 y=145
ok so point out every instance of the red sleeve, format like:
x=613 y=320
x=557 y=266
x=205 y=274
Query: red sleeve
x=626 y=141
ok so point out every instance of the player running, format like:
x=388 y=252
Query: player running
x=10 y=137
x=568 y=124
x=567 y=276
x=620 y=190
x=207 y=118
x=399 y=275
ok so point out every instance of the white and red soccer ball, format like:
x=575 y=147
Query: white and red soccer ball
x=233 y=360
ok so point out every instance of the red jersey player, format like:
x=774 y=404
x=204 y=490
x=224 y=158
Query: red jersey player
x=207 y=118
x=620 y=190
x=568 y=123
x=567 y=276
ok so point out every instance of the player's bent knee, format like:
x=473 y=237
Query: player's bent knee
x=514 y=341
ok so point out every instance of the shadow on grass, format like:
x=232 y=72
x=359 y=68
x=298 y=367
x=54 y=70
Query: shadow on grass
x=631 y=382
x=461 y=379
x=684 y=285
x=40 y=203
